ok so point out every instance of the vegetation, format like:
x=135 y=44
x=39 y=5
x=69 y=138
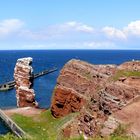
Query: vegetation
x=42 y=127
x=124 y=73
x=10 y=136
x=121 y=133
x=88 y=75
x=45 y=127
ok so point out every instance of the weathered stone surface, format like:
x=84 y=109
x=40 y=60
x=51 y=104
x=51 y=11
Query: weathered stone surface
x=66 y=101
x=116 y=95
x=91 y=90
x=109 y=126
x=130 y=116
x=77 y=83
x=130 y=66
x=22 y=75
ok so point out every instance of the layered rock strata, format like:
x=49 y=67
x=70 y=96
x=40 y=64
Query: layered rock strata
x=78 y=81
x=23 y=82
x=97 y=92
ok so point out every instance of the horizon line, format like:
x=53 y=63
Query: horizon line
x=70 y=49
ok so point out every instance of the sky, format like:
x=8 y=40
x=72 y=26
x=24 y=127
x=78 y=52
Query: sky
x=69 y=24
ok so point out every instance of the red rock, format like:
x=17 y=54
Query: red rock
x=130 y=66
x=65 y=101
x=77 y=83
x=91 y=90
x=22 y=75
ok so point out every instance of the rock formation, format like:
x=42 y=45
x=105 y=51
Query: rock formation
x=23 y=82
x=77 y=82
x=96 y=92
x=132 y=66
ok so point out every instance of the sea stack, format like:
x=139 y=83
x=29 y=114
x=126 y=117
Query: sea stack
x=23 y=82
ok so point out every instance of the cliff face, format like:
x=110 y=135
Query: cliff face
x=22 y=75
x=78 y=81
x=96 y=92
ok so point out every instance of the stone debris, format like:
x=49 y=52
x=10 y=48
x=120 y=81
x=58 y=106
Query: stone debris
x=23 y=82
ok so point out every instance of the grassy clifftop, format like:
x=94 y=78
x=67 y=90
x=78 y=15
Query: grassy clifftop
x=46 y=127
x=125 y=73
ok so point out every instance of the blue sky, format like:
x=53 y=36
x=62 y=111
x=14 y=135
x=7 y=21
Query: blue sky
x=69 y=24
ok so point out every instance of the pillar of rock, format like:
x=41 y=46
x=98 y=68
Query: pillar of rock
x=23 y=82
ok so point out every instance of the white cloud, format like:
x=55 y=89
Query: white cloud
x=59 y=31
x=133 y=28
x=70 y=35
x=99 y=45
x=77 y=26
x=114 y=33
x=9 y=26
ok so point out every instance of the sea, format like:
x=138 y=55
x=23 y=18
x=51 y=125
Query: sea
x=48 y=59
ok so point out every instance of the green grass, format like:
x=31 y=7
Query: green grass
x=123 y=73
x=42 y=127
x=10 y=136
x=46 y=127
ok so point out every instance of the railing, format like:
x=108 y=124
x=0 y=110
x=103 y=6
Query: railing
x=10 y=85
x=12 y=125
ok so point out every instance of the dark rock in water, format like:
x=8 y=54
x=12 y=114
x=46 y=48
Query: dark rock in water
x=92 y=91
x=22 y=75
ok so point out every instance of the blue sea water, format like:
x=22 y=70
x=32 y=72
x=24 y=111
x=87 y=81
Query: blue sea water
x=46 y=59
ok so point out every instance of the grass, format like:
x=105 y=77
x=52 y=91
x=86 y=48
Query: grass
x=9 y=136
x=46 y=127
x=88 y=75
x=120 y=133
x=42 y=127
x=124 y=73
x=12 y=137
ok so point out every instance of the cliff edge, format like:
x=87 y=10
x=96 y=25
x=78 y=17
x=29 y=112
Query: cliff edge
x=99 y=93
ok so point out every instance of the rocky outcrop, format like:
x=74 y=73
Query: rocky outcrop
x=66 y=101
x=78 y=81
x=23 y=82
x=131 y=66
x=93 y=91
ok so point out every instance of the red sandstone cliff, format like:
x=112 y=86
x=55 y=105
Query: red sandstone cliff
x=22 y=75
x=95 y=92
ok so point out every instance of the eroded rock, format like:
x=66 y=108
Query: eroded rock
x=130 y=66
x=76 y=84
x=23 y=82
x=93 y=91
x=66 y=101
